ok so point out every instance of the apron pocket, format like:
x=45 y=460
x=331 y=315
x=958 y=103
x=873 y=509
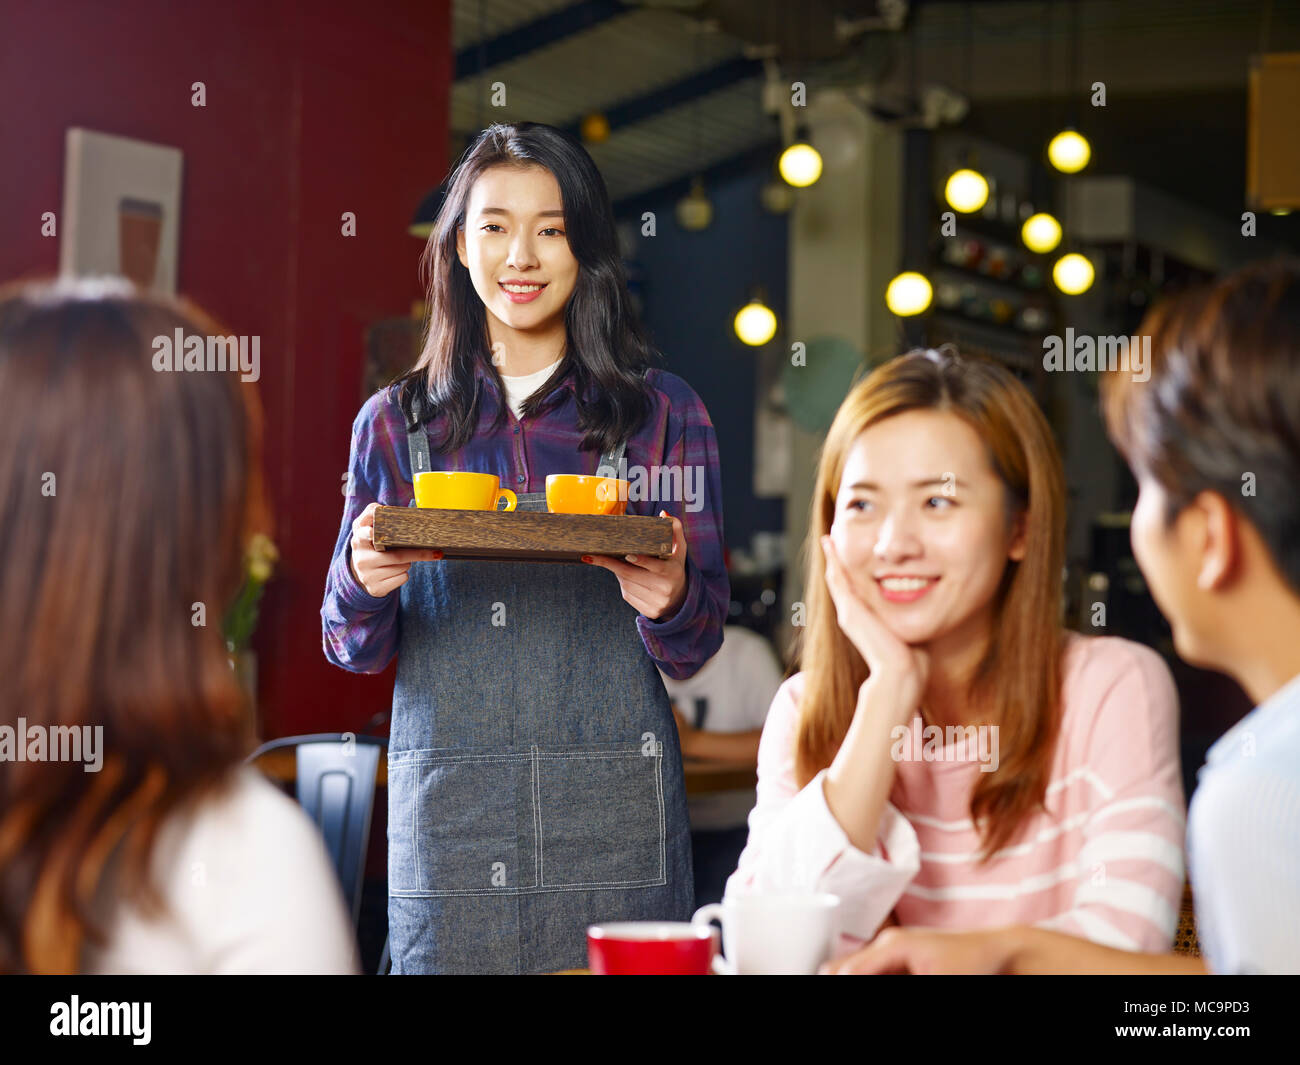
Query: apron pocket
x=601 y=810
x=461 y=822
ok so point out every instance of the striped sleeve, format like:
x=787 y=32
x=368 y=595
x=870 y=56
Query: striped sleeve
x=1127 y=780
x=795 y=843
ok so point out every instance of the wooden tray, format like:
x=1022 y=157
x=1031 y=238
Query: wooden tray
x=522 y=535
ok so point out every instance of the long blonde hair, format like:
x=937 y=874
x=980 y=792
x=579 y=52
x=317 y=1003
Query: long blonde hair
x=1020 y=673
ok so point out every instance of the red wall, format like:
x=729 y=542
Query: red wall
x=314 y=107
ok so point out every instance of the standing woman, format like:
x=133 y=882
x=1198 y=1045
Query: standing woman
x=534 y=776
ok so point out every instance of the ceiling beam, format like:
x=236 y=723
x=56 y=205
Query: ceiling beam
x=532 y=36
x=676 y=94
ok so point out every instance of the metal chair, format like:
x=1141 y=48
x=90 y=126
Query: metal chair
x=335 y=785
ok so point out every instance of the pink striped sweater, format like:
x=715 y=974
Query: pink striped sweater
x=1105 y=861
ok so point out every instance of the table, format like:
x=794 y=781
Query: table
x=703 y=777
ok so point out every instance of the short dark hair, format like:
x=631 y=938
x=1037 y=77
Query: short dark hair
x=1222 y=401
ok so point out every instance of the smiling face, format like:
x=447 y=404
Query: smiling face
x=515 y=249
x=921 y=523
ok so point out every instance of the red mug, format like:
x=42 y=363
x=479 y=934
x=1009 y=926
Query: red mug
x=650 y=948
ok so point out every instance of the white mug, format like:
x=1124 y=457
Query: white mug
x=786 y=934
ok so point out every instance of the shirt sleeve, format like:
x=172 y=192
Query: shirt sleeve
x=260 y=893
x=682 y=643
x=359 y=630
x=795 y=843
x=1130 y=870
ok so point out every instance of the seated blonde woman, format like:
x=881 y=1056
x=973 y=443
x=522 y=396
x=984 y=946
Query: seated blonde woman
x=949 y=756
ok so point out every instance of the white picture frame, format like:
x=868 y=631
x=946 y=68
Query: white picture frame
x=121 y=209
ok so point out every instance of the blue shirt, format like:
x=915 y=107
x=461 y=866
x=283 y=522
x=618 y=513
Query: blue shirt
x=1243 y=842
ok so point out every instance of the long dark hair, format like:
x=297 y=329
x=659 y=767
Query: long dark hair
x=128 y=495
x=606 y=350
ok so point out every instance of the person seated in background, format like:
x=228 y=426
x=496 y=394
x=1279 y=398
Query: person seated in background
x=1213 y=438
x=146 y=847
x=720 y=712
x=949 y=756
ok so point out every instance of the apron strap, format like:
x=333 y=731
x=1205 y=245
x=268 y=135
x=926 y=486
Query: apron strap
x=608 y=465
x=417 y=443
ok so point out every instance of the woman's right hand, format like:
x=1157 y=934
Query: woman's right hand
x=898 y=670
x=379 y=572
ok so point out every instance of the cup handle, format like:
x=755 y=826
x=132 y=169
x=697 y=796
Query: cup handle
x=606 y=497
x=511 y=499
x=704 y=917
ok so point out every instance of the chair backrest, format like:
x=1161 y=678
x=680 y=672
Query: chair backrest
x=1185 y=937
x=336 y=787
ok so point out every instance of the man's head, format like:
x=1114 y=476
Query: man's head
x=1213 y=438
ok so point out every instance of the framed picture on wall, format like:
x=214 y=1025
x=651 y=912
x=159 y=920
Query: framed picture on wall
x=121 y=209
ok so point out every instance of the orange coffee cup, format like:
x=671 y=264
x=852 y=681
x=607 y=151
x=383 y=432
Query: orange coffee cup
x=441 y=490
x=573 y=493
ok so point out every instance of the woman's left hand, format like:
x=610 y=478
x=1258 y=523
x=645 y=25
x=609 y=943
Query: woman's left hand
x=928 y=952
x=655 y=586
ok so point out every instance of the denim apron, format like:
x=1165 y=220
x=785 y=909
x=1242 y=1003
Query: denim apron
x=534 y=776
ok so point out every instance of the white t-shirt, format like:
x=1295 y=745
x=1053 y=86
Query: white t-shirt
x=731 y=692
x=519 y=389
x=249 y=889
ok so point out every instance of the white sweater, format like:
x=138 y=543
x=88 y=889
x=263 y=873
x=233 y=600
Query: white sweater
x=249 y=888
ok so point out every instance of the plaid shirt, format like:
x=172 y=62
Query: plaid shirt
x=360 y=630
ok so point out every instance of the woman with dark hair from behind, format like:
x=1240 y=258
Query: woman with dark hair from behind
x=129 y=494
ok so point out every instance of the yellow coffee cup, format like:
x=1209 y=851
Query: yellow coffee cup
x=441 y=490
x=573 y=493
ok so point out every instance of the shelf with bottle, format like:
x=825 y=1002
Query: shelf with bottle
x=1137 y=276
x=972 y=299
x=1004 y=231
x=999 y=342
x=983 y=274
x=999 y=262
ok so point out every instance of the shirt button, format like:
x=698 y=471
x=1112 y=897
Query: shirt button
x=516 y=430
x=520 y=479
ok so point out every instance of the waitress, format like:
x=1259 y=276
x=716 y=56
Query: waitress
x=534 y=775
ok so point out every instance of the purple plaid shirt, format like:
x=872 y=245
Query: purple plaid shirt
x=360 y=630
